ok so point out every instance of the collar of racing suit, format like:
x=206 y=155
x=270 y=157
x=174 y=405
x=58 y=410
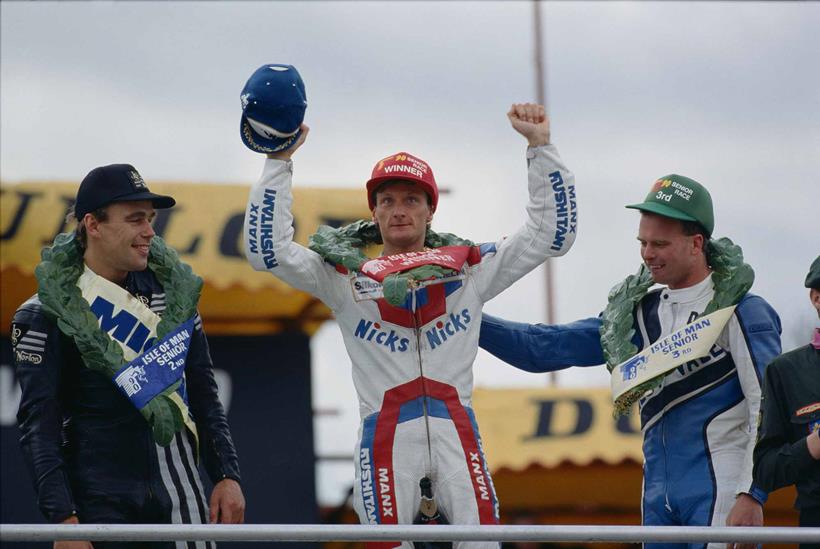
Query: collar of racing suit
x=690 y=294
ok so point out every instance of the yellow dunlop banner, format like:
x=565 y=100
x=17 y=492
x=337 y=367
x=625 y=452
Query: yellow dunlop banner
x=205 y=228
x=523 y=427
x=690 y=342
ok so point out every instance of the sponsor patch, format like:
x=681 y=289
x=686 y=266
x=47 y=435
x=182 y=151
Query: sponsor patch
x=565 y=210
x=365 y=288
x=386 y=492
x=25 y=356
x=28 y=345
x=807 y=409
x=373 y=332
x=814 y=426
x=447 y=328
x=368 y=496
x=260 y=228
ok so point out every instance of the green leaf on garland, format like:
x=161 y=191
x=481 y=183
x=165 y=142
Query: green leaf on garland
x=430 y=272
x=344 y=245
x=161 y=418
x=395 y=289
x=436 y=240
x=616 y=326
x=166 y=417
x=732 y=277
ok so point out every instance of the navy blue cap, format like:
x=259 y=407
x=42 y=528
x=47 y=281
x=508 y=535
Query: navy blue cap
x=273 y=108
x=115 y=183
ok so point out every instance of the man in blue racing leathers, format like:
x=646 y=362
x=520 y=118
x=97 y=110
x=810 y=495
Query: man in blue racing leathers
x=699 y=427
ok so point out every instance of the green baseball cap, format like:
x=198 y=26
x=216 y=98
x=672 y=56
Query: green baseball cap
x=813 y=278
x=681 y=198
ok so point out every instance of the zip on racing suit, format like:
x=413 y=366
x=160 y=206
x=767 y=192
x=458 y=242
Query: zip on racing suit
x=434 y=332
x=90 y=451
x=699 y=428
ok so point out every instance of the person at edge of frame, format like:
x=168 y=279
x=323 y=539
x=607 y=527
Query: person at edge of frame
x=788 y=445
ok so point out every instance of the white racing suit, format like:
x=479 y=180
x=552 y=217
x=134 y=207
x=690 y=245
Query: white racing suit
x=435 y=331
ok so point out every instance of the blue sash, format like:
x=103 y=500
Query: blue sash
x=157 y=368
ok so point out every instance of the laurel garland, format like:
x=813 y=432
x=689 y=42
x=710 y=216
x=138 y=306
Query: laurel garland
x=57 y=275
x=731 y=277
x=344 y=246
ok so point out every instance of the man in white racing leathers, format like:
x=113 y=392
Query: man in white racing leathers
x=412 y=363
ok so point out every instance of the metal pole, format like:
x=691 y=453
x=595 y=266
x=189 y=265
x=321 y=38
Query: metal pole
x=332 y=532
x=540 y=88
x=541 y=97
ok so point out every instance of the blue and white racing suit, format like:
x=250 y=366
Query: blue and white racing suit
x=699 y=427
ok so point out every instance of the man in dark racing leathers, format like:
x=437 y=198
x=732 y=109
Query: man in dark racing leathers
x=699 y=426
x=91 y=453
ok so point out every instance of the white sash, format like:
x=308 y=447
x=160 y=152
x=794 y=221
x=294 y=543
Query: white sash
x=690 y=342
x=128 y=329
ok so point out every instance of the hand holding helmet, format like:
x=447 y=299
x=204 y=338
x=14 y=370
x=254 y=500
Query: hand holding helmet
x=273 y=110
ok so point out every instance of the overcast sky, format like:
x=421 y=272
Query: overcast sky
x=725 y=93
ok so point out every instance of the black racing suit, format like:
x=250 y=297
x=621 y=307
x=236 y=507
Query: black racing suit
x=790 y=412
x=90 y=451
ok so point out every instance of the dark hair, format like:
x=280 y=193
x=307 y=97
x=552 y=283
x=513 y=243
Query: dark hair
x=691 y=228
x=100 y=214
x=391 y=182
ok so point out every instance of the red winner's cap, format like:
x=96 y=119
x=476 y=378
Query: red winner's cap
x=405 y=167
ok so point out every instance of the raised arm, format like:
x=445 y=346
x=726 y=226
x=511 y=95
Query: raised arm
x=551 y=216
x=268 y=232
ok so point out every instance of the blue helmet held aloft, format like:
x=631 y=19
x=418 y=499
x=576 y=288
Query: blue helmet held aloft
x=273 y=108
